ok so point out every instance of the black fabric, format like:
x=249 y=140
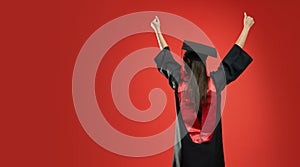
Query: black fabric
x=208 y=154
x=235 y=62
x=199 y=48
x=195 y=56
x=168 y=67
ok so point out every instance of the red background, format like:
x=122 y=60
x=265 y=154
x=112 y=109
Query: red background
x=40 y=43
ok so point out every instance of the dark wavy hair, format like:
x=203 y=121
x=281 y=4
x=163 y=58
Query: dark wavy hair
x=198 y=84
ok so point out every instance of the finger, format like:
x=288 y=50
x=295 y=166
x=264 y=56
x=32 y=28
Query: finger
x=245 y=14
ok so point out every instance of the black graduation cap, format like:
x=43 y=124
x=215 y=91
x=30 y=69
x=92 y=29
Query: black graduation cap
x=202 y=50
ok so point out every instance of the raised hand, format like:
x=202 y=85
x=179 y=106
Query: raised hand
x=155 y=24
x=248 y=21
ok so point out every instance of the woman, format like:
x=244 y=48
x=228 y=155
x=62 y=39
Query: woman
x=198 y=139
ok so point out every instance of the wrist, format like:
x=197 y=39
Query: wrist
x=246 y=28
x=157 y=30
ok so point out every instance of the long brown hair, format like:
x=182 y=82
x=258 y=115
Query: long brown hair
x=197 y=85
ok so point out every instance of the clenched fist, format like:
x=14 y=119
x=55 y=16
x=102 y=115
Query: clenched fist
x=155 y=24
x=248 y=21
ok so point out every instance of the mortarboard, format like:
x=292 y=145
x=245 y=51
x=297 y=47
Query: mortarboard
x=202 y=50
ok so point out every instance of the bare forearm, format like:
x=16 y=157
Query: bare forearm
x=242 y=38
x=161 y=40
x=248 y=22
x=155 y=24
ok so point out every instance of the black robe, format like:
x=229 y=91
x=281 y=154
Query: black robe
x=207 y=154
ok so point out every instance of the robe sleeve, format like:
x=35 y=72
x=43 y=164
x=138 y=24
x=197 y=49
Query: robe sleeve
x=167 y=66
x=234 y=63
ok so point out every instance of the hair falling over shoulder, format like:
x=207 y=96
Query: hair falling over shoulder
x=197 y=80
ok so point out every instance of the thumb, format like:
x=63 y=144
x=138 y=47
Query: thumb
x=245 y=14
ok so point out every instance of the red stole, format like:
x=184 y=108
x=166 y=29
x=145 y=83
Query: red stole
x=203 y=132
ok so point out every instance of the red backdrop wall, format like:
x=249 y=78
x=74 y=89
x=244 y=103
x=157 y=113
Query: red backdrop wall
x=42 y=41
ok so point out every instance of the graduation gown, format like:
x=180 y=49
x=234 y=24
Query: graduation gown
x=187 y=153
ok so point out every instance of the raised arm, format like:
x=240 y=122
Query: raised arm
x=248 y=22
x=155 y=24
x=236 y=60
x=165 y=62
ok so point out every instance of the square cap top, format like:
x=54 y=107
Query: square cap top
x=200 y=49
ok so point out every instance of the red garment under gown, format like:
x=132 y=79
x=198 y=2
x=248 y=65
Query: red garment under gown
x=198 y=131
